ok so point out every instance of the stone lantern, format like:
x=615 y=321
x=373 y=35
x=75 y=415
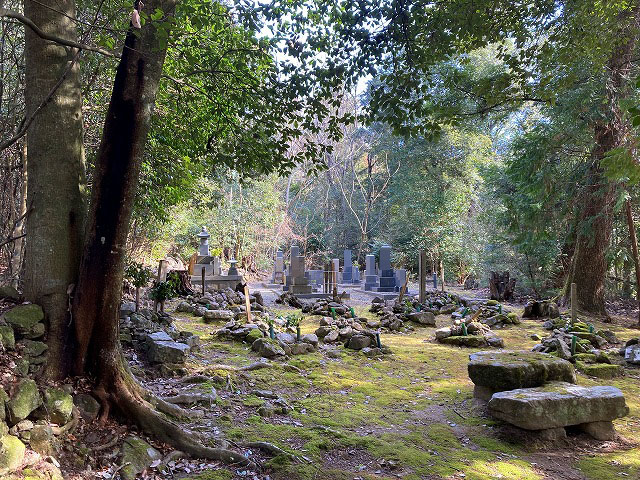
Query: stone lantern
x=203 y=249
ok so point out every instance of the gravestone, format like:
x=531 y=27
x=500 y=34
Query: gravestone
x=278 y=268
x=387 y=275
x=203 y=260
x=294 y=252
x=335 y=263
x=213 y=267
x=315 y=276
x=347 y=270
x=299 y=283
x=371 y=281
x=401 y=278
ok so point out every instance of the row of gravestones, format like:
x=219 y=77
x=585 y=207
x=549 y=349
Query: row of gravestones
x=382 y=278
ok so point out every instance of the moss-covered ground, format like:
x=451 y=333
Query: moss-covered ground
x=408 y=415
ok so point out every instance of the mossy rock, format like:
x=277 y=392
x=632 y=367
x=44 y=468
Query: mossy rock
x=24 y=317
x=465 y=340
x=25 y=400
x=493 y=303
x=585 y=357
x=508 y=370
x=253 y=335
x=4 y=398
x=7 y=291
x=57 y=406
x=11 y=454
x=513 y=318
x=601 y=370
x=139 y=455
x=7 y=338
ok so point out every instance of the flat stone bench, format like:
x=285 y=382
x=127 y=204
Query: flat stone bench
x=560 y=404
x=493 y=372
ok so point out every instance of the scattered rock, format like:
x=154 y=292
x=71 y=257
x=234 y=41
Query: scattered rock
x=10 y=293
x=24 y=400
x=23 y=318
x=42 y=440
x=358 y=342
x=12 y=452
x=139 y=455
x=267 y=348
x=87 y=406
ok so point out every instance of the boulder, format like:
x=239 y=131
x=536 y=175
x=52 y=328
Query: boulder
x=310 y=338
x=25 y=400
x=185 y=307
x=358 y=342
x=253 y=335
x=465 y=340
x=443 y=332
x=632 y=354
x=7 y=339
x=136 y=455
x=87 y=406
x=167 y=352
x=423 y=318
x=42 y=440
x=285 y=338
x=217 y=315
x=601 y=370
x=508 y=370
x=7 y=291
x=34 y=348
x=12 y=452
x=558 y=404
x=57 y=406
x=23 y=318
x=331 y=337
x=267 y=348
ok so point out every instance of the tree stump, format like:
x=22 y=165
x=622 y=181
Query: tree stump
x=501 y=286
x=182 y=282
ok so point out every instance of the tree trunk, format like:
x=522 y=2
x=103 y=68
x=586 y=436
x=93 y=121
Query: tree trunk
x=501 y=286
x=55 y=174
x=97 y=302
x=634 y=250
x=589 y=263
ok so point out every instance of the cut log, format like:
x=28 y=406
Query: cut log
x=501 y=286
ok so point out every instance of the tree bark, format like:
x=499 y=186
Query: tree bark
x=589 y=263
x=634 y=250
x=55 y=174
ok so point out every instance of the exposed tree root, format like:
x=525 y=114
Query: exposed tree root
x=138 y=404
x=69 y=426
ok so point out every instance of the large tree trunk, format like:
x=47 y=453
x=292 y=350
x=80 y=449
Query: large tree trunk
x=57 y=207
x=97 y=301
x=17 y=254
x=634 y=249
x=589 y=263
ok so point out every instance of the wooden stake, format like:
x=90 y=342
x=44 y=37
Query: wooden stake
x=247 y=303
x=422 y=276
x=403 y=290
x=574 y=304
x=203 y=275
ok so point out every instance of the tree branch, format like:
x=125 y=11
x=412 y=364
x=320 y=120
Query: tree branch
x=4 y=12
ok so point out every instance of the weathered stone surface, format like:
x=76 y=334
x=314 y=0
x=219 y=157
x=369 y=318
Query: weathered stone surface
x=558 y=404
x=443 y=332
x=139 y=455
x=632 y=354
x=310 y=338
x=331 y=337
x=42 y=440
x=358 y=342
x=599 y=430
x=167 y=352
x=286 y=338
x=7 y=339
x=11 y=453
x=57 y=406
x=25 y=400
x=266 y=348
x=465 y=340
x=217 y=315
x=253 y=335
x=34 y=348
x=87 y=406
x=601 y=370
x=7 y=291
x=508 y=370
x=423 y=318
x=23 y=318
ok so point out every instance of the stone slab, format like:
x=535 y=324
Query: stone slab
x=558 y=404
x=509 y=369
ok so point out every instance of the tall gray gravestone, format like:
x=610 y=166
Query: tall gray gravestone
x=371 y=281
x=347 y=270
x=387 y=275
